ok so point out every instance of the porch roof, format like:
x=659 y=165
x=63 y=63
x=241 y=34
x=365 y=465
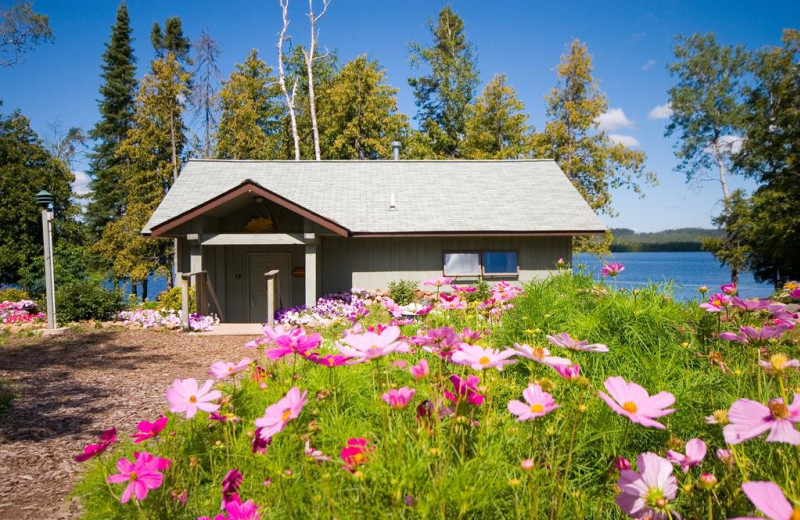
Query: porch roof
x=525 y=197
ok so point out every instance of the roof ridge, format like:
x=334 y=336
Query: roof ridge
x=370 y=161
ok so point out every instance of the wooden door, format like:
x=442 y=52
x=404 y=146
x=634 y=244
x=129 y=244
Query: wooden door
x=257 y=265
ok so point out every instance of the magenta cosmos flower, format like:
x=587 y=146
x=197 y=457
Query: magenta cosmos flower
x=750 y=419
x=230 y=485
x=695 y=453
x=633 y=401
x=142 y=475
x=185 y=397
x=355 y=453
x=750 y=305
x=148 y=430
x=278 y=415
x=329 y=360
x=770 y=500
x=398 y=398
x=225 y=369
x=612 y=269
x=753 y=335
x=729 y=289
x=480 y=358
x=647 y=493
x=537 y=403
x=370 y=345
x=465 y=390
x=562 y=339
x=571 y=372
x=107 y=438
x=293 y=344
x=716 y=302
x=540 y=355
x=420 y=370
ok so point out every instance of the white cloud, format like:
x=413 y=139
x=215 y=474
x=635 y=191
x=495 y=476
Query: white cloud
x=648 y=65
x=81 y=184
x=728 y=145
x=613 y=119
x=625 y=140
x=661 y=112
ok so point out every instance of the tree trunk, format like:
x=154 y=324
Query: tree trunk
x=310 y=70
x=282 y=80
x=144 y=289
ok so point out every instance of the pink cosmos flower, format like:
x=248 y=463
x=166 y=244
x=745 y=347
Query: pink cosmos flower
x=107 y=438
x=223 y=369
x=238 y=511
x=438 y=282
x=480 y=358
x=271 y=334
x=695 y=453
x=538 y=404
x=540 y=355
x=465 y=389
x=780 y=315
x=293 y=344
x=420 y=370
x=770 y=500
x=729 y=289
x=725 y=456
x=647 y=493
x=370 y=345
x=753 y=335
x=230 y=485
x=329 y=360
x=716 y=302
x=464 y=288
x=453 y=304
x=442 y=341
x=278 y=415
x=563 y=339
x=355 y=453
x=142 y=475
x=398 y=398
x=795 y=294
x=259 y=443
x=148 y=430
x=778 y=363
x=184 y=396
x=470 y=336
x=571 y=372
x=612 y=269
x=392 y=307
x=633 y=401
x=313 y=454
x=750 y=419
x=750 y=305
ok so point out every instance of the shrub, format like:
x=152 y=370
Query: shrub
x=87 y=300
x=482 y=293
x=171 y=299
x=402 y=292
x=13 y=294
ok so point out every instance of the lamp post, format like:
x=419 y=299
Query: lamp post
x=44 y=200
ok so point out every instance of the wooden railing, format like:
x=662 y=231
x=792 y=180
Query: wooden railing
x=202 y=290
x=273 y=295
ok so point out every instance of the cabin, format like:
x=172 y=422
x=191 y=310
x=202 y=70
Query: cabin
x=329 y=226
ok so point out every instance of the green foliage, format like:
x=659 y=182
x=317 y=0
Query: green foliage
x=250 y=121
x=497 y=127
x=171 y=40
x=357 y=113
x=26 y=167
x=402 y=292
x=116 y=105
x=468 y=464
x=593 y=163
x=69 y=266
x=684 y=239
x=87 y=300
x=483 y=291
x=172 y=299
x=13 y=294
x=442 y=95
x=21 y=29
x=7 y=397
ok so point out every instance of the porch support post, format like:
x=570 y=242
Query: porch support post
x=195 y=266
x=311 y=268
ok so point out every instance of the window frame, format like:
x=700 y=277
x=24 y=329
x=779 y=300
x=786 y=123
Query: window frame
x=480 y=253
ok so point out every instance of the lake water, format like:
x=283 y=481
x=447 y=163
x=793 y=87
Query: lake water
x=688 y=271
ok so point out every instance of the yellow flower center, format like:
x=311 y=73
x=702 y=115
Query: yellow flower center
x=193 y=399
x=484 y=360
x=630 y=407
x=778 y=410
x=795 y=515
x=778 y=361
x=286 y=414
x=721 y=416
x=230 y=369
x=373 y=346
x=537 y=408
x=132 y=475
x=330 y=361
x=358 y=457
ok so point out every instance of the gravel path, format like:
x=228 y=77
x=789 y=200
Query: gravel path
x=71 y=388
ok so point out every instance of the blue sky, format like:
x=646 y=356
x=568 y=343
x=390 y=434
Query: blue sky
x=630 y=41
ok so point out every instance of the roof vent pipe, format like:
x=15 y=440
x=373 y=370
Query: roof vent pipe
x=392 y=206
x=396 y=150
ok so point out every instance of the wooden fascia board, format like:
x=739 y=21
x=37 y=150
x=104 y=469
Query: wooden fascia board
x=440 y=234
x=247 y=187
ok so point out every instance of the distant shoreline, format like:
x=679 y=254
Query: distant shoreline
x=670 y=240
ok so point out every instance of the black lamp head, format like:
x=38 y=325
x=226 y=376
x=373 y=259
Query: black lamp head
x=45 y=199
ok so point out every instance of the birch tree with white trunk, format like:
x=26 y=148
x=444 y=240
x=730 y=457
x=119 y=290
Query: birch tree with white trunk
x=290 y=98
x=309 y=57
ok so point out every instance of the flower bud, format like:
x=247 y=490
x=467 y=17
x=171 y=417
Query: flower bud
x=707 y=481
x=622 y=463
x=527 y=464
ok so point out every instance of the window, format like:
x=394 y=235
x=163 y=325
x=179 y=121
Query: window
x=480 y=263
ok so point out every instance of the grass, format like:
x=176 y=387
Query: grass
x=468 y=465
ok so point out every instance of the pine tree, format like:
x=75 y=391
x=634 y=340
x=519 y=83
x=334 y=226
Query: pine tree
x=171 y=40
x=204 y=94
x=116 y=118
x=497 y=127
x=150 y=172
x=250 y=112
x=593 y=163
x=443 y=95
x=358 y=113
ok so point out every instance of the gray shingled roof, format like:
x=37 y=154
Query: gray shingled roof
x=430 y=196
